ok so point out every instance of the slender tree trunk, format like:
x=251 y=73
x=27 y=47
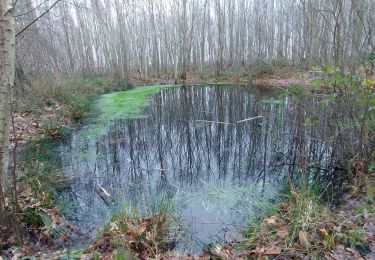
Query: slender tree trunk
x=6 y=88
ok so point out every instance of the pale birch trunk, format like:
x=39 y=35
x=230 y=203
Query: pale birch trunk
x=6 y=87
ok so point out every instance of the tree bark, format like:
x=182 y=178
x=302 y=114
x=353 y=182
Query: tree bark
x=6 y=89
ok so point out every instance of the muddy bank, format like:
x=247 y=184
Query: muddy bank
x=277 y=80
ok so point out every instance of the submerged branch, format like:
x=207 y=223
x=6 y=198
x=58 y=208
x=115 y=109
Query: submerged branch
x=215 y=122
x=227 y=123
x=249 y=119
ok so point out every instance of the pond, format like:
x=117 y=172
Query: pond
x=214 y=155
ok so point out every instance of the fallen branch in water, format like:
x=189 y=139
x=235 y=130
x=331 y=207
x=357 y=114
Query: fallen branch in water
x=226 y=123
x=104 y=195
x=215 y=122
x=249 y=119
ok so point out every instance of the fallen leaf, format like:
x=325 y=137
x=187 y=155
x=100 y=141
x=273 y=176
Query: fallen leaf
x=323 y=233
x=273 y=221
x=136 y=231
x=222 y=253
x=358 y=165
x=259 y=250
x=141 y=229
x=303 y=239
x=282 y=232
x=113 y=226
x=274 y=250
x=285 y=207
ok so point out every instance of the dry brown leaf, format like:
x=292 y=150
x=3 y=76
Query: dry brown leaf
x=282 y=232
x=285 y=207
x=259 y=250
x=323 y=233
x=274 y=250
x=223 y=253
x=141 y=229
x=303 y=240
x=113 y=227
x=136 y=231
x=146 y=222
x=273 y=221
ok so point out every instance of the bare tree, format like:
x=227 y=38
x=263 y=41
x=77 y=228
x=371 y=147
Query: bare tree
x=173 y=37
x=7 y=31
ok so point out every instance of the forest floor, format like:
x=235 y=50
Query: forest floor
x=344 y=232
x=278 y=79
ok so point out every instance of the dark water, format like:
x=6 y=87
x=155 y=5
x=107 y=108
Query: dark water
x=215 y=155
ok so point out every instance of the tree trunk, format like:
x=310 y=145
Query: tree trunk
x=6 y=88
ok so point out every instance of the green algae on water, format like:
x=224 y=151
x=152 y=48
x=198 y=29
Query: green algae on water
x=120 y=105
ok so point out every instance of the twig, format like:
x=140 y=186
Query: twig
x=346 y=220
x=205 y=121
x=326 y=188
x=32 y=10
x=37 y=19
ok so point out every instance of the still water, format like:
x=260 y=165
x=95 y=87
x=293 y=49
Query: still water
x=215 y=155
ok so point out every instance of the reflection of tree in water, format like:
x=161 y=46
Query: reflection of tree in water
x=193 y=134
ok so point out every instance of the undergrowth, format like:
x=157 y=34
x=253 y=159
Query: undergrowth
x=305 y=223
x=39 y=159
x=135 y=235
x=74 y=94
x=39 y=163
x=54 y=103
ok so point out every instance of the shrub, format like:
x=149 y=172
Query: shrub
x=53 y=129
x=261 y=68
